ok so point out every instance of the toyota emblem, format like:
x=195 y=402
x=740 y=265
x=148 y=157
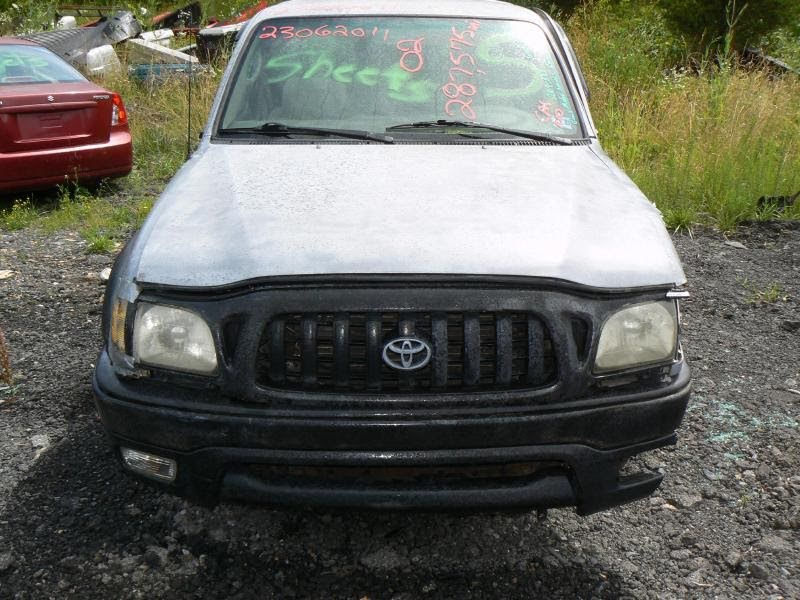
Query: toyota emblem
x=406 y=353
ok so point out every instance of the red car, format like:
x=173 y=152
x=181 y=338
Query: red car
x=55 y=125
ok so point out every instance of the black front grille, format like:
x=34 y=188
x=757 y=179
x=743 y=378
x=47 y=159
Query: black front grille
x=343 y=352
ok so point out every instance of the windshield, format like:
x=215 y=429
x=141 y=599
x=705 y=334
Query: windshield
x=372 y=73
x=33 y=64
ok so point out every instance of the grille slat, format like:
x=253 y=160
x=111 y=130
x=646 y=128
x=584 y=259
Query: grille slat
x=535 y=350
x=472 y=349
x=341 y=349
x=344 y=352
x=440 y=358
x=505 y=352
x=405 y=325
x=309 y=327
x=374 y=359
x=277 y=366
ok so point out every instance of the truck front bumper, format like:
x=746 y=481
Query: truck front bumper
x=566 y=454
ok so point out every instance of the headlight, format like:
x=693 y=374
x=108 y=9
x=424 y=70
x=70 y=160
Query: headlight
x=636 y=336
x=175 y=338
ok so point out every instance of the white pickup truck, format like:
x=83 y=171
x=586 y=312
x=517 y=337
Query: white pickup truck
x=398 y=272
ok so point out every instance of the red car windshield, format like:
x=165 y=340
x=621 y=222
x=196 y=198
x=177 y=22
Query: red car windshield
x=33 y=64
x=371 y=73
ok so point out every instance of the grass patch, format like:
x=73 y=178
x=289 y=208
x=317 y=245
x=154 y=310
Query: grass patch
x=99 y=243
x=160 y=124
x=19 y=216
x=718 y=143
x=102 y=224
x=769 y=294
x=703 y=145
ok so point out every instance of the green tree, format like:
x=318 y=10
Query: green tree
x=729 y=24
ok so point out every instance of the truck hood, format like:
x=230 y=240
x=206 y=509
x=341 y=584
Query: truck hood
x=242 y=212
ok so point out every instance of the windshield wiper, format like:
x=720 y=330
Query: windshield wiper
x=531 y=135
x=271 y=128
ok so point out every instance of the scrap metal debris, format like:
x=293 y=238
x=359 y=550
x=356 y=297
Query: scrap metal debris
x=122 y=26
x=186 y=17
x=158 y=36
x=777 y=204
x=219 y=37
x=76 y=45
x=214 y=42
x=149 y=54
x=755 y=58
x=142 y=51
x=160 y=72
x=153 y=63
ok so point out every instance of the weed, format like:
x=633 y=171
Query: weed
x=680 y=218
x=19 y=216
x=100 y=243
x=784 y=44
x=769 y=294
x=142 y=209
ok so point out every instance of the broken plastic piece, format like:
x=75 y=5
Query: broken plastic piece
x=159 y=36
x=101 y=61
x=148 y=52
x=67 y=22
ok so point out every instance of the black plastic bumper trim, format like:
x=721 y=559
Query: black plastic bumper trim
x=589 y=480
x=213 y=450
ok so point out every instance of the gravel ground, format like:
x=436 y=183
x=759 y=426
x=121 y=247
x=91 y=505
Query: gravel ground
x=723 y=525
